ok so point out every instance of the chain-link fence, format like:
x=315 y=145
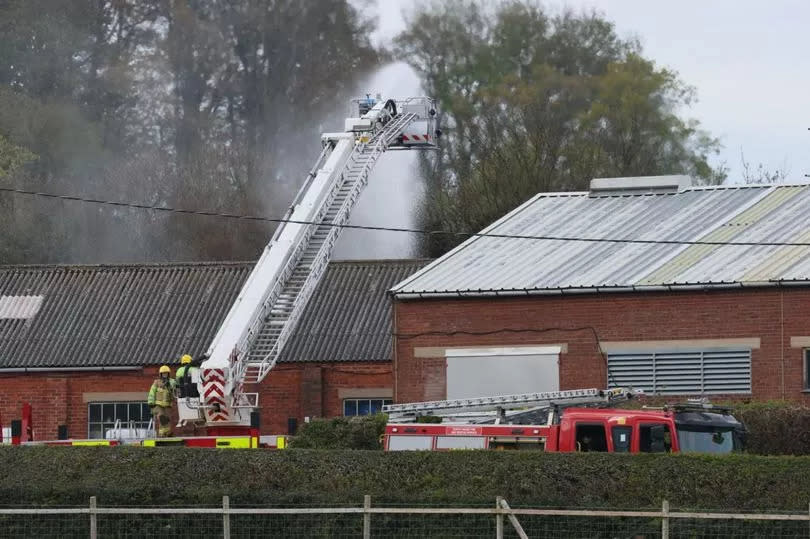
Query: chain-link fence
x=499 y=520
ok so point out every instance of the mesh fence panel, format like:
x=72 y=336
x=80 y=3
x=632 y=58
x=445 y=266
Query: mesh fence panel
x=731 y=528
x=409 y=523
x=184 y=526
x=591 y=527
x=64 y=526
x=312 y=525
x=404 y=526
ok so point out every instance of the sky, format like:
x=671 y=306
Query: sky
x=748 y=60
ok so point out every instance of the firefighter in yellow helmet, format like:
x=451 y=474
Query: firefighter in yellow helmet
x=186 y=377
x=161 y=397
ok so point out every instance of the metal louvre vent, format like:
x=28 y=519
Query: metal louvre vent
x=702 y=372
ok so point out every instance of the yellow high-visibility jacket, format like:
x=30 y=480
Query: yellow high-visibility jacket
x=162 y=394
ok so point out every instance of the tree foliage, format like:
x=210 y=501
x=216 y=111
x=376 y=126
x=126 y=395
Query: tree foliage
x=12 y=157
x=533 y=101
x=188 y=103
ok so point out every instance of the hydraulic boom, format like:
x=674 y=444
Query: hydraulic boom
x=264 y=315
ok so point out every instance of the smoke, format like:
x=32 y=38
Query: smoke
x=393 y=188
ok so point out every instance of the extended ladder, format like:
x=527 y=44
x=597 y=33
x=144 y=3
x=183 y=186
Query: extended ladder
x=306 y=267
x=264 y=315
x=548 y=399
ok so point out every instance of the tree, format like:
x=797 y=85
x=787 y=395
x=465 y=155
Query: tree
x=184 y=103
x=759 y=174
x=537 y=102
x=12 y=157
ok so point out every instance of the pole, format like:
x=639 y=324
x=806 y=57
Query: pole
x=366 y=517
x=93 y=518
x=513 y=520
x=498 y=519
x=665 y=519
x=226 y=518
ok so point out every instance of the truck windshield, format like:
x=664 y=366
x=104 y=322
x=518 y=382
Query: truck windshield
x=705 y=440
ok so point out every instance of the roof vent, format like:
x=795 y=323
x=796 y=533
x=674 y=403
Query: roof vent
x=640 y=185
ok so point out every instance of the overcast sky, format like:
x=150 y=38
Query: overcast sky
x=749 y=61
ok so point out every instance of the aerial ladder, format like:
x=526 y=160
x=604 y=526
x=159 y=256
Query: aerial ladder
x=250 y=340
x=508 y=408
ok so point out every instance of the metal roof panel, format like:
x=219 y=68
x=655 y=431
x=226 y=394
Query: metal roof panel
x=770 y=213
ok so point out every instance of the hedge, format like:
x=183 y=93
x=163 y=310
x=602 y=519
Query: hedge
x=775 y=428
x=178 y=476
x=361 y=432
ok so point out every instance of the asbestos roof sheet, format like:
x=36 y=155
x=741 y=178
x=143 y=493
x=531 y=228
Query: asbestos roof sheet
x=762 y=213
x=94 y=316
x=137 y=315
x=349 y=315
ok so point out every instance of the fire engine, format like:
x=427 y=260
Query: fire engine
x=264 y=315
x=564 y=421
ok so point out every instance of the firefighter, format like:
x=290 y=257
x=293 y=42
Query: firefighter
x=161 y=396
x=186 y=383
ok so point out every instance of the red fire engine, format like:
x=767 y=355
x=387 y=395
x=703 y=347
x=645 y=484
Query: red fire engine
x=577 y=420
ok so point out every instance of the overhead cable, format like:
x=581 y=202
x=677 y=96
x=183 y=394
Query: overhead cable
x=260 y=218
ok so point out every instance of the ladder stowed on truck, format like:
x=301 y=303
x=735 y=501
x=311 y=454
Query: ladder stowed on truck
x=573 y=420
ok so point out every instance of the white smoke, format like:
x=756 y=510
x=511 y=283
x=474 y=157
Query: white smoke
x=393 y=188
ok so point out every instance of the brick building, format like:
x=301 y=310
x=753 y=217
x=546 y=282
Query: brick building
x=506 y=315
x=82 y=344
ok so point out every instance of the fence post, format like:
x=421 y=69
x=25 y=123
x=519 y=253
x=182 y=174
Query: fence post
x=226 y=518
x=93 y=518
x=665 y=519
x=513 y=520
x=366 y=517
x=498 y=519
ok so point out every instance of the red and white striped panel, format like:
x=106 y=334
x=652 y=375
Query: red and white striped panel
x=415 y=138
x=214 y=393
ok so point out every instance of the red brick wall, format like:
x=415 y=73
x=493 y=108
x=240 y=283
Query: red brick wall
x=56 y=398
x=289 y=391
x=773 y=315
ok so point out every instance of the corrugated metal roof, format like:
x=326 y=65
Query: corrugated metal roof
x=94 y=316
x=486 y=265
x=349 y=316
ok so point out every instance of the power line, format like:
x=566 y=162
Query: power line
x=260 y=218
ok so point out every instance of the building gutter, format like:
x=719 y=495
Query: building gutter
x=26 y=370
x=571 y=291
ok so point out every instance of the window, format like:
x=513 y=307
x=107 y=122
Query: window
x=460 y=442
x=352 y=407
x=654 y=438
x=703 y=372
x=410 y=443
x=591 y=438
x=101 y=416
x=484 y=372
x=622 y=437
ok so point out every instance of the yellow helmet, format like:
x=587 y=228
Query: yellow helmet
x=166 y=369
x=185 y=359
